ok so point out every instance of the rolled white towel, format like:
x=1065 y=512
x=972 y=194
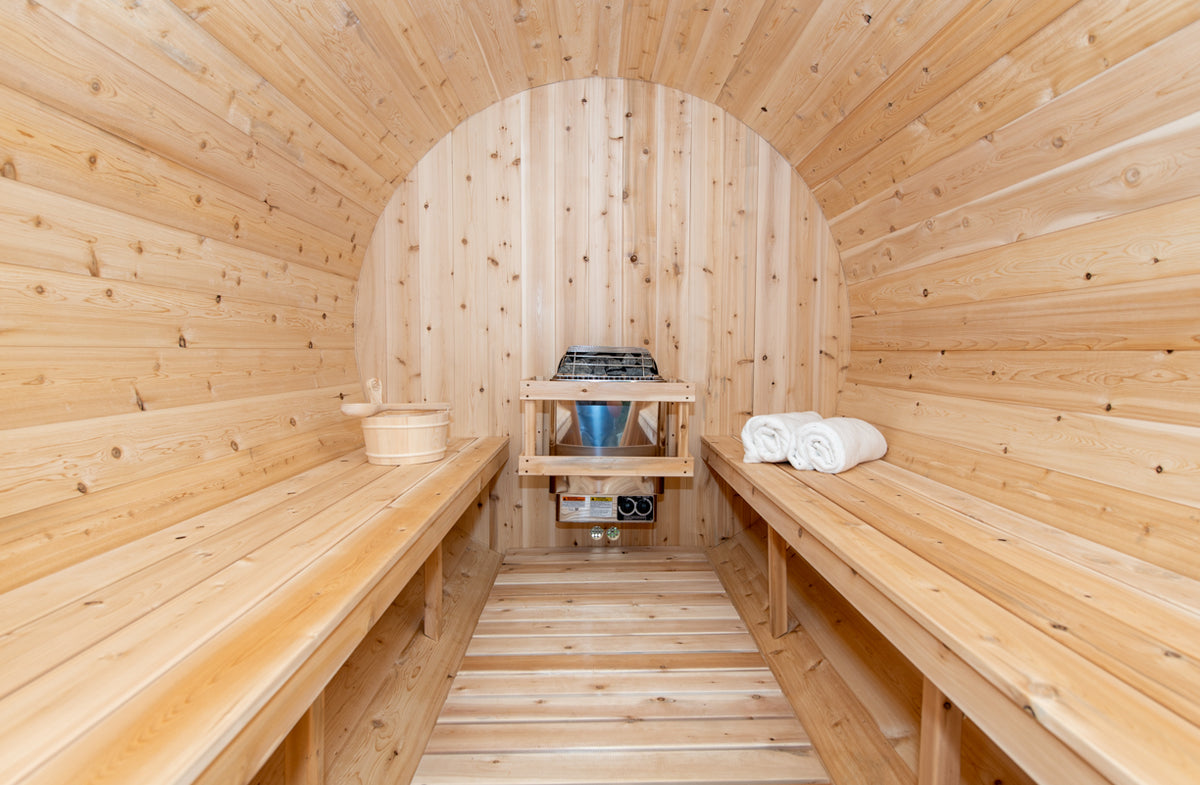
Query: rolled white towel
x=798 y=456
x=838 y=443
x=767 y=438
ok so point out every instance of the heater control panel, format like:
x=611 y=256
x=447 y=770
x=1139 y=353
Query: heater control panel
x=605 y=508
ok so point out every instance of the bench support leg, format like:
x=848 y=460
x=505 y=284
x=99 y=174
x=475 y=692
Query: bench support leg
x=777 y=604
x=304 y=747
x=433 y=594
x=941 y=739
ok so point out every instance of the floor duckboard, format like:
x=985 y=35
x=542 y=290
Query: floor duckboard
x=615 y=665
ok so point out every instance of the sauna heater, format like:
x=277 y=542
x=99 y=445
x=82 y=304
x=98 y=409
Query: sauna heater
x=609 y=429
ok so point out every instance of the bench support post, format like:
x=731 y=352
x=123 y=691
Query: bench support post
x=940 y=756
x=304 y=747
x=777 y=583
x=433 y=594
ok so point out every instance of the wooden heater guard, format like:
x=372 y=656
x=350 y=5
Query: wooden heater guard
x=679 y=397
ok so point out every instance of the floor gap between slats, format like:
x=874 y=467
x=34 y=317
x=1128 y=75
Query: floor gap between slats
x=581 y=673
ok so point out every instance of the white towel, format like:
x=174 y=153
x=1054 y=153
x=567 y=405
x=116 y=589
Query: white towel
x=767 y=438
x=798 y=456
x=838 y=443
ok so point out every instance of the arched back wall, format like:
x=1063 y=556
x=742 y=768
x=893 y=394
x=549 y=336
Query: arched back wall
x=610 y=212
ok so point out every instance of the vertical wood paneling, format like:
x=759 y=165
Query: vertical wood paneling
x=404 y=298
x=606 y=145
x=518 y=259
x=772 y=302
x=571 y=207
x=674 y=272
x=640 y=217
x=435 y=187
x=506 y=238
x=742 y=170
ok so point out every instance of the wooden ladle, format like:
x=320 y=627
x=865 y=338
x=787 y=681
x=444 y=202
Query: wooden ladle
x=368 y=409
x=375 y=403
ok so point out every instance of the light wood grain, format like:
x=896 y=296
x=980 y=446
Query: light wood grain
x=304 y=748
x=959 y=50
x=154 y=35
x=302 y=75
x=941 y=739
x=849 y=741
x=303 y=661
x=1136 y=173
x=1048 y=64
x=1136 y=247
x=1134 y=385
x=566 y=698
x=1133 y=455
x=781 y=496
x=61 y=153
x=978 y=161
x=411 y=685
x=673 y=181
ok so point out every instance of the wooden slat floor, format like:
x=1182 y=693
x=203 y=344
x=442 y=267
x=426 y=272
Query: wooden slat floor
x=614 y=666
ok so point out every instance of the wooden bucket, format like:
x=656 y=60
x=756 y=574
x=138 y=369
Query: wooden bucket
x=398 y=438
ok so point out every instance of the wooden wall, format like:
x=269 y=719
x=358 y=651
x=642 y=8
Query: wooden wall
x=187 y=188
x=1024 y=286
x=161 y=155
x=177 y=281
x=610 y=212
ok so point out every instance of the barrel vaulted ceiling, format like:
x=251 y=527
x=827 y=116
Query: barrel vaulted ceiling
x=842 y=88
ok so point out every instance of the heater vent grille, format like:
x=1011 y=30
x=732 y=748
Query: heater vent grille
x=607 y=363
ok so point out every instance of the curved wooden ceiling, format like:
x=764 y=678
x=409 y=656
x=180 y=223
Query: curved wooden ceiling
x=825 y=82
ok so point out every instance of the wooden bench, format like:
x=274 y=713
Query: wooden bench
x=190 y=654
x=1082 y=663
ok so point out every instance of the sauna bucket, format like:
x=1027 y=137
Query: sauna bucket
x=397 y=438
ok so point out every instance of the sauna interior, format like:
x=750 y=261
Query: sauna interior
x=974 y=224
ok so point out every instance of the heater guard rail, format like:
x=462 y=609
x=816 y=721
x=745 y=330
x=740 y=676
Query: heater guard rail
x=679 y=397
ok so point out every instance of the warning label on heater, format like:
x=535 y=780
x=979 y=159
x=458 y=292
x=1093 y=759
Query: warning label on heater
x=587 y=508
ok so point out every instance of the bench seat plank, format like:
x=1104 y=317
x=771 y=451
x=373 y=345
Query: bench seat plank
x=1151 y=644
x=85 y=610
x=163 y=692
x=943 y=623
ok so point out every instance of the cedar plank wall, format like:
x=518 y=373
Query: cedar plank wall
x=692 y=238
x=180 y=247
x=1011 y=182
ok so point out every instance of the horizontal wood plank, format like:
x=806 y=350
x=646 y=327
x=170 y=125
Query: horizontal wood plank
x=354 y=550
x=1141 y=172
x=623 y=734
x=1106 y=318
x=880 y=576
x=1135 y=523
x=85 y=525
x=65 y=460
x=560 y=687
x=1133 y=385
x=40 y=386
x=1144 y=245
x=770 y=766
x=1135 y=455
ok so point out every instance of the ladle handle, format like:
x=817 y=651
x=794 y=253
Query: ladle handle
x=374 y=391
